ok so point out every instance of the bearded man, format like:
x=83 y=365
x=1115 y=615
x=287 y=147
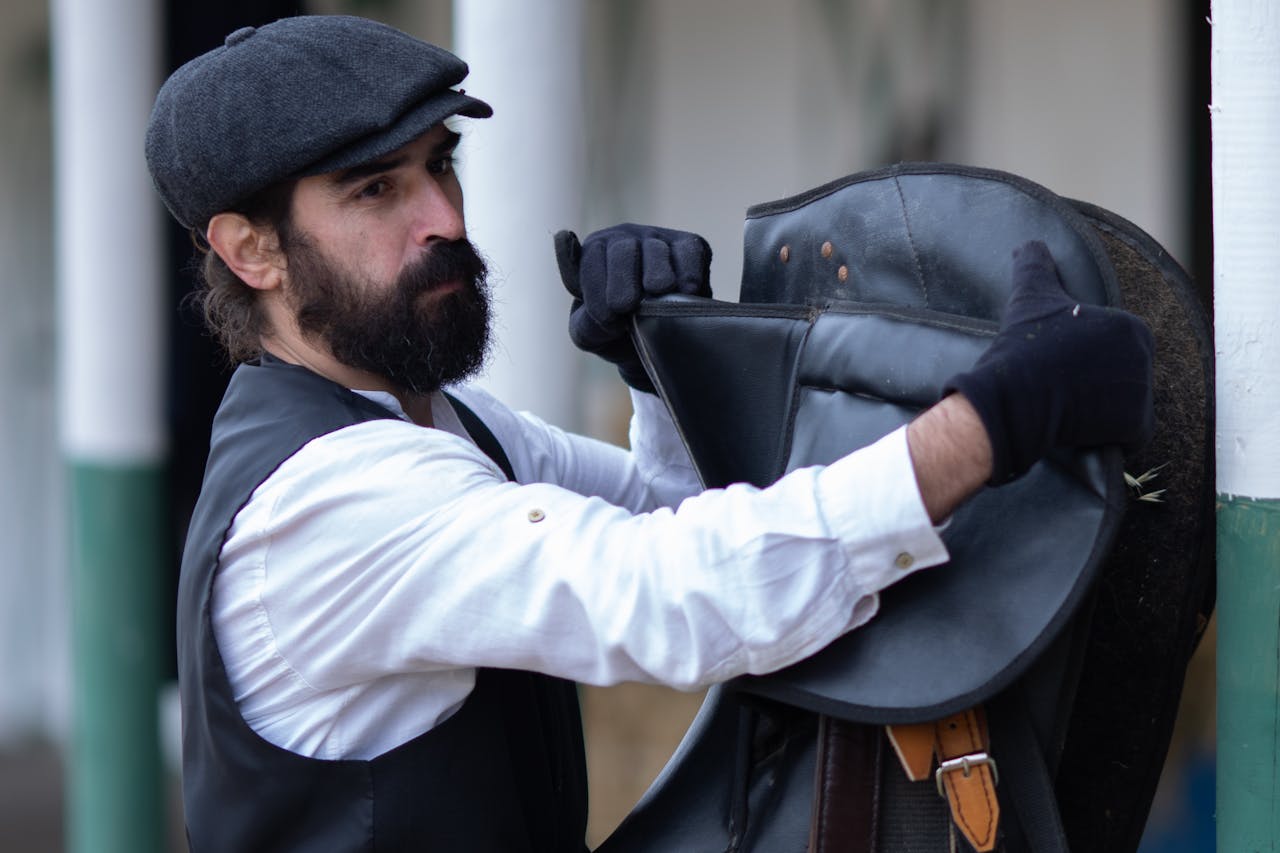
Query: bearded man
x=389 y=589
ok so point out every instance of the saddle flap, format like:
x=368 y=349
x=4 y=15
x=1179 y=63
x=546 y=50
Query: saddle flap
x=1022 y=556
x=743 y=390
x=870 y=292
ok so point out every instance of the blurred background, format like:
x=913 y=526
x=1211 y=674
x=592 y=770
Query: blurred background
x=665 y=111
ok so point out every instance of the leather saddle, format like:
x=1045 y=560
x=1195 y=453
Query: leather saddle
x=1022 y=696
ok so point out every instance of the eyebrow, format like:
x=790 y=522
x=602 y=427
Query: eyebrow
x=355 y=174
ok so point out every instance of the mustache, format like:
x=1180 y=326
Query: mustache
x=455 y=261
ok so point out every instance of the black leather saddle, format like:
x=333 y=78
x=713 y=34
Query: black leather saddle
x=1066 y=615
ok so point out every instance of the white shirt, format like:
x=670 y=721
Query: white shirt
x=376 y=568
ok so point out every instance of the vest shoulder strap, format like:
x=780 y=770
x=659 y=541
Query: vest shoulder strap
x=482 y=435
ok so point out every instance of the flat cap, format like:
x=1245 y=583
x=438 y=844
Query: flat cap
x=297 y=97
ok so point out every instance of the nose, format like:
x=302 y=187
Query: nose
x=437 y=211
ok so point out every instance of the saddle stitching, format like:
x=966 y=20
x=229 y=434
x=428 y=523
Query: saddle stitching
x=984 y=837
x=911 y=240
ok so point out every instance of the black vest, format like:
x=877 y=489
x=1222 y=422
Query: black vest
x=505 y=773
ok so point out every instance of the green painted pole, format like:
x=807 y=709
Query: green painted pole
x=1246 y=209
x=115 y=782
x=1248 y=674
x=110 y=380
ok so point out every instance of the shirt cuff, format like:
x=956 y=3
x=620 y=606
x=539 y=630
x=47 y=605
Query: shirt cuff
x=873 y=503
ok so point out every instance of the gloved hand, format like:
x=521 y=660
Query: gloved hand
x=613 y=271
x=1059 y=373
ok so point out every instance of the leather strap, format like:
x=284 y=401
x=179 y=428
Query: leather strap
x=914 y=745
x=846 y=795
x=966 y=774
x=1030 y=787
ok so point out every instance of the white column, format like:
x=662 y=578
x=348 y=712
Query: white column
x=1246 y=236
x=523 y=172
x=108 y=240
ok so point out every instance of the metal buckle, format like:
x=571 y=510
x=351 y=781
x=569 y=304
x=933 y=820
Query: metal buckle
x=965 y=764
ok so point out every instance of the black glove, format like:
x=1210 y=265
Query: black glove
x=1059 y=373
x=613 y=271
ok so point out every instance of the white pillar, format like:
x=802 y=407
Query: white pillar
x=522 y=173
x=1246 y=236
x=108 y=239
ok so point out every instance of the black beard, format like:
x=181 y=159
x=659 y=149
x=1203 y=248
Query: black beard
x=387 y=331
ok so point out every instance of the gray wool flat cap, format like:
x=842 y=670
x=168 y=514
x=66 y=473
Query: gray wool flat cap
x=297 y=97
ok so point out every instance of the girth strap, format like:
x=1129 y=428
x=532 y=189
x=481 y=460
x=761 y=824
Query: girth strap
x=1027 y=780
x=966 y=773
x=845 y=803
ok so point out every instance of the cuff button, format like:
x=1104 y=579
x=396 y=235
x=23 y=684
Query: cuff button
x=904 y=560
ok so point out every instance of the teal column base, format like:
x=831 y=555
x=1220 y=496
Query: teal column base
x=1248 y=797
x=115 y=786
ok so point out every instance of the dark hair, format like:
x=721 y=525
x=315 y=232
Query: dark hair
x=230 y=307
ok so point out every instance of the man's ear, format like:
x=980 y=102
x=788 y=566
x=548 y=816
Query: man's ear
x=250 y=251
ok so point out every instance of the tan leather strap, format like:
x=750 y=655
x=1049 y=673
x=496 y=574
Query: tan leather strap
x=966 y=775
x=914 y=745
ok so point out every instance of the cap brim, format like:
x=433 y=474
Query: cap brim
x=409 y=126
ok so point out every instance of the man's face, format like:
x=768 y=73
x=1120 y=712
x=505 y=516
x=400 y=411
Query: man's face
x=380 y=271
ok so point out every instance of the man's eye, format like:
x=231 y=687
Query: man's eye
x=373 y=189
x=441 y=165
